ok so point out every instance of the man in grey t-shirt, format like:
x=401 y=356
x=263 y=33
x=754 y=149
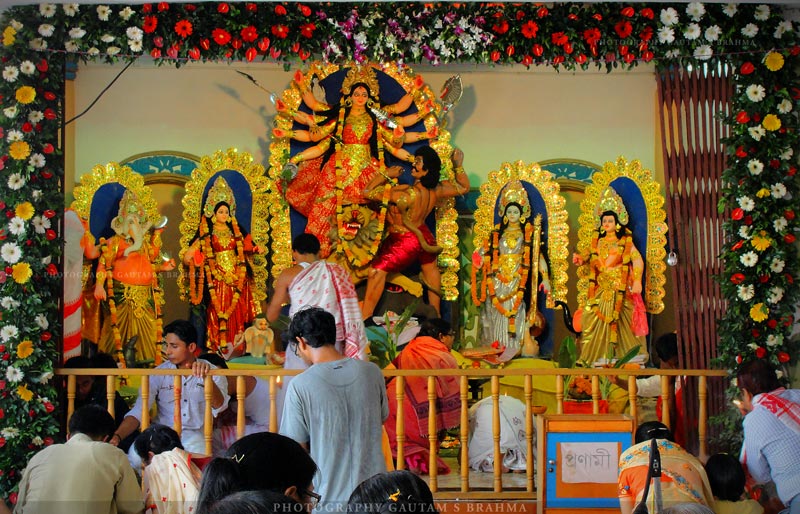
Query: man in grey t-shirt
x=335 y=409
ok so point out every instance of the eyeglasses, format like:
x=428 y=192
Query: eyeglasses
x=313 y=498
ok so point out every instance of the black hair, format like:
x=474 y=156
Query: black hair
x=432 y=164
x=184 y=330
x=651 y=429
x=261 y=461
x=306 y=244
x=504 y=224
x=256 y=502
x=78 y=362
x=726 y=477
x=215 y=359
x=92 y=420
x=392 y=492
x=434 y=327
x=621 y=231
x=666 y=346
x=332 y=114
x=757 y=376
x=317 y=326
x=156 y=438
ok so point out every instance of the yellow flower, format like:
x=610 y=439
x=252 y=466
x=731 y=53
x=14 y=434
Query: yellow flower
x=759 y=312
x=24 y=210
x=760 y=242
x=25 y=349
x=771 y=122
x=19 y=150
x=9 y=36
x=774 y=61
x=21 y=272
x=26 y=94
x=24 y=393
x=763 y=192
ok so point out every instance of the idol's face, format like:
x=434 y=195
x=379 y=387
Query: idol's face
x=513 y=214
x=261 y=324
x=360 y=96
x=608 y=223
x=222 y=214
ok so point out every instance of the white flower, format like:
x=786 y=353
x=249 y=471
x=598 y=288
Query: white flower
x=37 y=160
x=695 y=10
x=76 y=33
x=10 y=112
x=16 y=226
x=71 y=46
x=107 y=38
x=40 y=224
x=712 y=33
x=38 y=44
x=35 y=116
x=729 y=10
x=773 y=340
x=71 y=9
x=16 y=25
x=744 y=232
x=113 y=50
x=135 y=46
x=750 y=30
x=9 y=303
x=93 y=51
x=14 y=375
x=669 y=16
x=777 y=265
x=775 y=294
x=10 y=432
x=779 y=373
x=756 y=92
x=785 y=106
x=787 y=154
x=36 y=194
x=47 y=10
x=102 y=12
x=666 y=35
x=780 y=224
x=749 y=259
x=782 y=28
x=10 y=252
x=27 y=68
x=14 y=135
x=778 y=190
x=746 y=203
x=45 y=377
x=37 y=441
x=46 y=30
x=703 y=52
x=126 y=13
x=692 y=31
x=755 y=166
x=10 y=73
x=762 y=13
x=672 y=54
x=8 y=332
x=41 y=320
x=134 y=33
x=746 y=292
x=757 y=132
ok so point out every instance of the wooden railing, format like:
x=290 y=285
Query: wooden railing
x=561 y=375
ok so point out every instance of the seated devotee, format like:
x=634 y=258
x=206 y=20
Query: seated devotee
x=180 y=343
x=513 y=444
x=392 y=492
x=429 y=350
x=726 y=476
x=259 y=462
x=256 y=502
x=771 y=448
x=683 y=478
x=256 y=407
x=85 y=474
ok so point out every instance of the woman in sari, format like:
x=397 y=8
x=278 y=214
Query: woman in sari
x=683 y=478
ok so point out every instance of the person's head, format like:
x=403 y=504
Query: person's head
x=609 y=223
x=255 y=502
x=156 y=439
x=392 y=492
x=437 y=328
x=650 y=429
x=222 y=212
x=92 y=420
x=666 y=347
x=83 y=383
x=688 y=508
x=726 y=477
x=305 y=244
x=755 y=377
x=312 y=327
x=261 y=461
x=180 y=343
x=102 y=360
x=427 y=167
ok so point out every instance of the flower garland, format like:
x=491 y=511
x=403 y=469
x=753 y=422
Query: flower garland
x=519 y=292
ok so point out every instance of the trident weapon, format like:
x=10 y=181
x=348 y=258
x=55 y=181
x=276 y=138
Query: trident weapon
x=272 y=96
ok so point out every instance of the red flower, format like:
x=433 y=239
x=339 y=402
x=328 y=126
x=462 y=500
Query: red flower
x=3 y=440
x=236 y=43
x=591 y=36
x=737 y=245
x=783 y=357
x=757 y=117
x=792 y=171
x=773 y=324
x=742 y=117
x=50 y=114
x=305 y=10
x=741 y=152
x=12 y=498
x=542 y=12
x=580 y=58
x=623 y=29
x=495 y=56
x=50 y=234
x=496 y=345
x=559 y=38
x=568 y=48
x=155 y=53
x=646 y=34
x=150 y=24
x=748 y=220
x=307 y=30
x=738 y=278
x=647 y=56
x=194 y=53
x=789 y=278
x=537 y=50
x=49 y=95
x=280 y=10
x=221 y=36
x=263 y=44
x=795 y=50
x=527 y=60
x=249 y=34
x=49 y=213
x=510 y=50
x=48 y=407
x=223 y=8
x=737 y=213
x=48 y=148
x=647 y=13
x=280 y=31
x=500 y=28
x=761 y=352
x=42 y=66
x=558 y=59
x=628 y=12
x=747 y=68
x=183 y=28
x=250 y=54
x=530 y=29
x=2 y=414
x=158 y=41
x=572 y=16
x=739 y=359
x=788 y=214
x=763 y=279
x=46 y=336
x=147 y=8
x=598 y=17
x=52 y=269
x=48 y=441
x=789 y=238
x=27 y=126
x=274 y=52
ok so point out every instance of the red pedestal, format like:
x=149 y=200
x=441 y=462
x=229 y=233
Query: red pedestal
x=584 y=406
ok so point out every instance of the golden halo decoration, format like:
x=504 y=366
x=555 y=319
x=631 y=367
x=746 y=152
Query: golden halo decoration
x=220 y=192
x=654 y=254
x=445 y=214
x=263 y=194
x=111 y=173
x=557 y=227
x=611 y=201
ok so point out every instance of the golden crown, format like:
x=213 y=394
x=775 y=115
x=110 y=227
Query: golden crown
x=365 y=74
x=220 y=192
x=130 y=204
x=514 y=192
x=611 y=201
